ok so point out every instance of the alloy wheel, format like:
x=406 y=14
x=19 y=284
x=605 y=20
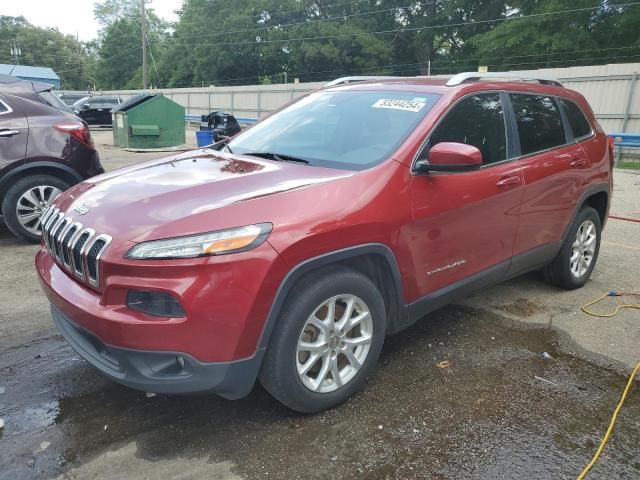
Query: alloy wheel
x=334 y=343
x=32 y=204
x=583 y=249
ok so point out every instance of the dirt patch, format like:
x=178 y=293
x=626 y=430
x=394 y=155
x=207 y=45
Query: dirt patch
x=521 y=308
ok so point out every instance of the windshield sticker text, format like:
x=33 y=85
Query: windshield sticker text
x=406 y=105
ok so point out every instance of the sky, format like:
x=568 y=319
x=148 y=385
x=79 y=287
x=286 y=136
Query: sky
x=73 y=17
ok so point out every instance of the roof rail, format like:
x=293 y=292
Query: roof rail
x=362 y=78
x=474 y=76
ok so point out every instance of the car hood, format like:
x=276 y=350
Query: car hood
x=143 y=201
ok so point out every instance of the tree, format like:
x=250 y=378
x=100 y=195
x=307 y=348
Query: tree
x=544 y=39
x=47 y=47
x=119 y=52
x=108 y=12
x=241 y=42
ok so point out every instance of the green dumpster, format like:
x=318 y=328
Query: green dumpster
x=148 y=121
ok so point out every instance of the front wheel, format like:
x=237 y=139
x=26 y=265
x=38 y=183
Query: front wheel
x=327 y=340
x=26 y=200
x=576 y=260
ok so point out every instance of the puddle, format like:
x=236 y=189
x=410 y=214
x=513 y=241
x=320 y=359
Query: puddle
x=485 y=416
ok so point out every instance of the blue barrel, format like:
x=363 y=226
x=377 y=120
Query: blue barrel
x=205 y=138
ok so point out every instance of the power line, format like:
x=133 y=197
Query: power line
x=144 y=47
x=304 y=22
x=411 y=29
x=117 y=55
x=472 y=60
x=381 y=32
x=153 y=60
x=315 y=20
x=411 y=66
x=286 y=12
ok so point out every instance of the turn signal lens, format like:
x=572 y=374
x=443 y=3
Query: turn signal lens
x=214 y=243
x=236 y=243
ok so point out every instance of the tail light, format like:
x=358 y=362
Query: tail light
x=78 y=130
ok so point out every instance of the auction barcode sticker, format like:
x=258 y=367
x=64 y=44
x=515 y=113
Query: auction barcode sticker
x=407 y=105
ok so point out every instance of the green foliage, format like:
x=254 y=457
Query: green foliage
x=240 y=42
x=258 y=41
x=584 y=36
x=46 y=47
x=629 y=165
x=108 y=12
x=119 y=55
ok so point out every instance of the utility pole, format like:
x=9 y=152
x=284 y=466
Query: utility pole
x=16 y=52
x=144 y=48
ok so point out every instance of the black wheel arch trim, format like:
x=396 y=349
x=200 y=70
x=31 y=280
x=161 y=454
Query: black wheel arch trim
x=583 y=199
x=337 y=256
x=39 y=164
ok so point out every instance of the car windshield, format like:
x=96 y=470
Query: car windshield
x=353 y=130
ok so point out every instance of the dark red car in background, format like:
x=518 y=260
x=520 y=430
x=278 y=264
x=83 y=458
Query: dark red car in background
x=44 y=149
x=290 y=252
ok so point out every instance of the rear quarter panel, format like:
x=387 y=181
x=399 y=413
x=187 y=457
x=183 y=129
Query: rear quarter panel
x=48 y=144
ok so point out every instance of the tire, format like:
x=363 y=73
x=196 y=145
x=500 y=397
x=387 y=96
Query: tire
x=44 y=189
x=561 y=271
x=311 y=296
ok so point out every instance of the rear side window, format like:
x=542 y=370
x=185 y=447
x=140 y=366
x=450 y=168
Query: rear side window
x=477 y=120
x=579 y=124
x=52 y=100
x=539 y=122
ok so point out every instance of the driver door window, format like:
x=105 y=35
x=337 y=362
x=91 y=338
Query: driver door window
x=477 y=120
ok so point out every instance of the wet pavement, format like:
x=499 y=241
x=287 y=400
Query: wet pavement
x=500 y=410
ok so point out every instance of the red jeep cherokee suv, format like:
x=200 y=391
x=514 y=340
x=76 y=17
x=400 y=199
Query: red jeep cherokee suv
x=288 y=253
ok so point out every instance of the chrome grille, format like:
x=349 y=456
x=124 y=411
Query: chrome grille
x=76 y=249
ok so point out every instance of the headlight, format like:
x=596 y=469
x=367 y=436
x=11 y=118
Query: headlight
x=214 y=243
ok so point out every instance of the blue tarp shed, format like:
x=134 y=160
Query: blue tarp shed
x=36 y=74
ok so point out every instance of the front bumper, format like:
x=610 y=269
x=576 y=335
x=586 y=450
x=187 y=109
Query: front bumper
x=160 y=371
x=225 y=299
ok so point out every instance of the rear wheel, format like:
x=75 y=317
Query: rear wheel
x=327 y=340
x=26 y=200
x=576 y=260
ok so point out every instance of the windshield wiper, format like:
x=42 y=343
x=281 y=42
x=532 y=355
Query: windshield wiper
x=278 y=157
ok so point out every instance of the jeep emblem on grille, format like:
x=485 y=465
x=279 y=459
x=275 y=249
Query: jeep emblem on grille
x=81 y=209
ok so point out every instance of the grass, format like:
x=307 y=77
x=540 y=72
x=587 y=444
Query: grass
x=629 y=165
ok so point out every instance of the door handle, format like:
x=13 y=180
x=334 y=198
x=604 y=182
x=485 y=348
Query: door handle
x=507 y=181
x=579 y=162
x=9 y=133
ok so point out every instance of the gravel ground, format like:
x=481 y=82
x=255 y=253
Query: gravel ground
x=500 y=410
